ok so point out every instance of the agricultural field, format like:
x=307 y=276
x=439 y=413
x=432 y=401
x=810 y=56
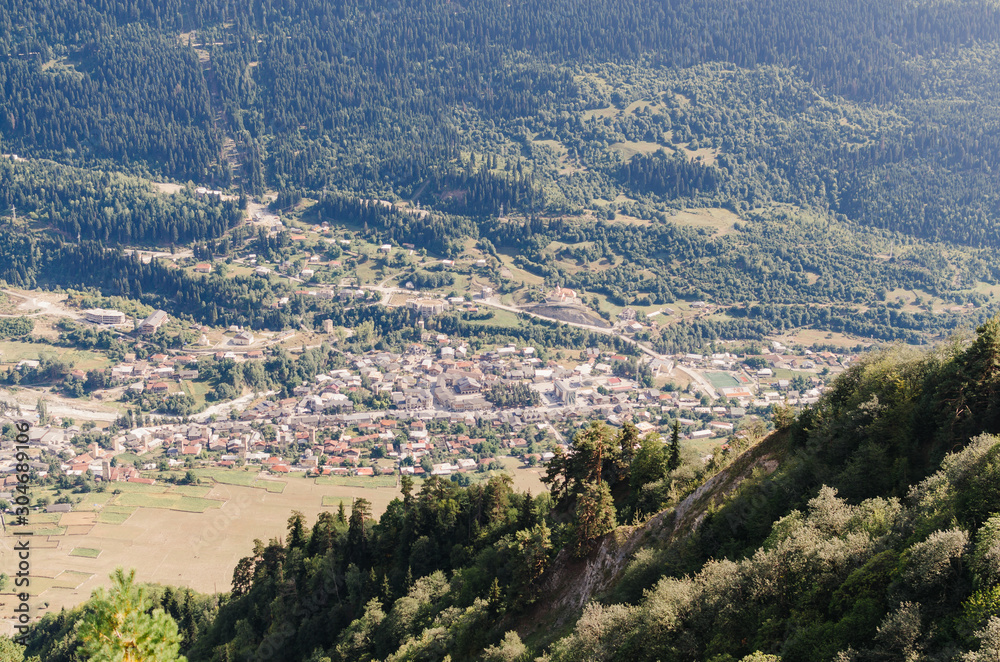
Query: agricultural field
x=85 y=552
x=181 y=535
x=357 y=481
x=187 y=535
x=12 y=351
x=504 y=318
x=525 y=478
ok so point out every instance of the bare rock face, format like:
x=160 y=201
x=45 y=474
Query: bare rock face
x=572 y=313
x=571 y=583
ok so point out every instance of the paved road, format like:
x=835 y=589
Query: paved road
x=699 y=379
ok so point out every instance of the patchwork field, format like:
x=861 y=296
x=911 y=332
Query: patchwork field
x=85 y=552
x=181 y=535
x=357 y=481
x=189 y=536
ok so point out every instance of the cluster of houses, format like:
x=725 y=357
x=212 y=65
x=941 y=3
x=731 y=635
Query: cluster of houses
x=322 y=427
x=317 y=429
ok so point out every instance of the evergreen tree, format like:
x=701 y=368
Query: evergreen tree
x=119 y=626
x=357 y=532
x=296 y=530
x=406 y=487
x=10 y=651
x=674 y=459
x=594 y=516
x=650 y=462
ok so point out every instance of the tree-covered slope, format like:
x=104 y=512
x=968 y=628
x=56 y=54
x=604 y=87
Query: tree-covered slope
x=854 y=143
x=884 y=112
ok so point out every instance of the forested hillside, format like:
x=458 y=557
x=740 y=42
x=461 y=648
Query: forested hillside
x=855 y=142
x=885 y=112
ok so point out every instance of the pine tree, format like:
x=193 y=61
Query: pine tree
x=595 y=515
x=526 y=515
x=296 y=530
x=495 y=599
x=406 y=487
x=119 y=625
x=650 y=462
x=357 y=533
x=674 y=459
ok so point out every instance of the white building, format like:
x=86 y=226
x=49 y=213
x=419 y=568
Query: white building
x=101 y=316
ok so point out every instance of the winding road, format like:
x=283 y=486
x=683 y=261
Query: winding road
x=697 y=378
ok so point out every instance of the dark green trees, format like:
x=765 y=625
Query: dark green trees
x=593 y=517
x=674 y=459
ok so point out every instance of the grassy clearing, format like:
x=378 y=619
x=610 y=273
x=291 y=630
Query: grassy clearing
x=525 y=478
x=49 y=531
x=197 y=505
x=784 y=373
x=68 y=579
x=240 y=478
x=227 y=477
x=357 y=481
x=335 y=501
x=701 y=447
x=12 y=351
x=138 y=488
x=192 y=490
x=809 y=337
x=718 y=221
x=196 y=390
x=85 y=552
x=503 y=318
x=528 y=278
x=44 y=518
x=157 y=541
x=629 y=149
x=610 y=111
x=169 y=502
x=72 y=578
x=115 y=514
